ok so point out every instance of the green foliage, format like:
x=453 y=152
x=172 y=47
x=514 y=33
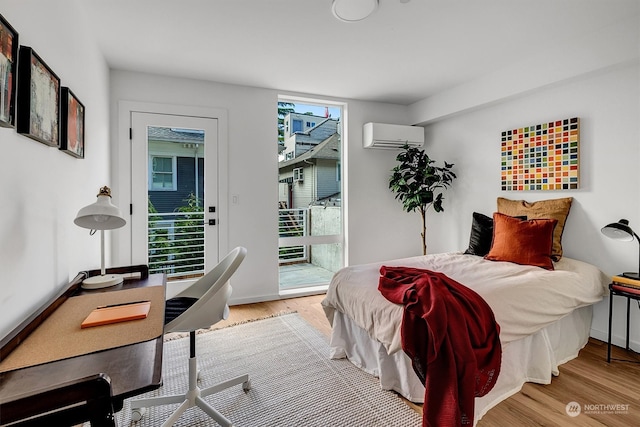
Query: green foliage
x=190 y=228
x=284 y=108
x=159 y=243
x=182 y=250
x=415 y=180
x=419 y=184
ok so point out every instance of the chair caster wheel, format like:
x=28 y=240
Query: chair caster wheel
x=246 y=386
x=137 y=413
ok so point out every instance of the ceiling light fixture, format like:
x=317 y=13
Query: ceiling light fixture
x=353 y=10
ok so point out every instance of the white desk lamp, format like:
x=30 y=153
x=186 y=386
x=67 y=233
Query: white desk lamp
x=101 y=215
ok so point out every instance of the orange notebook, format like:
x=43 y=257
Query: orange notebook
x=117 y=313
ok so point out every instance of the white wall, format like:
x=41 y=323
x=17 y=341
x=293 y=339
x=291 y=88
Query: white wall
x=43 y=188
x=608 y=105
x=378 y=227
x=253 y=170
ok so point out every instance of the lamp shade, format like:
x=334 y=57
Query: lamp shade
x=619 y=231
x=101 y=215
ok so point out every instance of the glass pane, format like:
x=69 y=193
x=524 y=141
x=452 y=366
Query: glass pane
x=176 y=218
x=162 y=164
x=310 y=193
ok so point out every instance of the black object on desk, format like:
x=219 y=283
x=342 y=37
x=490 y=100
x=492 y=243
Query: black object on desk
x=103 y=379
x=630 y=293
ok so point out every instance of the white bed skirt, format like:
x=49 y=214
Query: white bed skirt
x=532 y=359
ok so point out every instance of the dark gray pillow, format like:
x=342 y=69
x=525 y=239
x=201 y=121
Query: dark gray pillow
x=481 y=235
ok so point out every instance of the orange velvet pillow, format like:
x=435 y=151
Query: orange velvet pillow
x=527 y=242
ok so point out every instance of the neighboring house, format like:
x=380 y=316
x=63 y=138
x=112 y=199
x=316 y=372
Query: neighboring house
x=311 y=176
x=176 y=167
x=304 y=131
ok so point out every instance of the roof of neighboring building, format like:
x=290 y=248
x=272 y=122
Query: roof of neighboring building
x=320 y=131
x=175 y=135
x=327 y=149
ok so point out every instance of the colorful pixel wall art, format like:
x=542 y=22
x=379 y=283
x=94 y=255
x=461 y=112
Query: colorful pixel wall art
x=541 y=157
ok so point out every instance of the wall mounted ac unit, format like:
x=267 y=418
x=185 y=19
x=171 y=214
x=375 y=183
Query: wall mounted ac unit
x=386 y=136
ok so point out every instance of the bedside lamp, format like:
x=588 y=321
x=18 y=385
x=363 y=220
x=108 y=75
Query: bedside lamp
x=621 y=231
x=101 y=215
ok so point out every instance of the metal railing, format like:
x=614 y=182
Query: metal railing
x=176 y=244
x=176 y=241
x=293 y=223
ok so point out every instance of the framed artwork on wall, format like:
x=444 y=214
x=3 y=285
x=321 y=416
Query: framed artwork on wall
x=72 y=120
x=8 y=62
x=38 y=99
x=541 y=157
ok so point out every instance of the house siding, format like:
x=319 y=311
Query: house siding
x=303 y=190
x=328 y=185
x=169 y=201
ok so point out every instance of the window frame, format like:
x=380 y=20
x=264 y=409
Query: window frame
x=174 y=172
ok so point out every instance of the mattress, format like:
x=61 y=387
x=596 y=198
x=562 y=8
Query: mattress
x=534 y=358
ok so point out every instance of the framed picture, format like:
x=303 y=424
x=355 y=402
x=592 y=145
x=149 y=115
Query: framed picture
x=38 y=99
x=72 y=120
x=8 y=61
x=544 y=156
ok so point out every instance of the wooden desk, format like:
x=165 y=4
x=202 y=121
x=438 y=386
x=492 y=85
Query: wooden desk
x=130 y=369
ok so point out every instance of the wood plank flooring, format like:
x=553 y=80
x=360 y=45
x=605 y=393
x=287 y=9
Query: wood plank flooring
x=608 y=393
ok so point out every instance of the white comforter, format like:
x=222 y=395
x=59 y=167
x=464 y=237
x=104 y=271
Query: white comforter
x=524 y=299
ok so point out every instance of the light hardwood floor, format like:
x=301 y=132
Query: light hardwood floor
x=599 y=387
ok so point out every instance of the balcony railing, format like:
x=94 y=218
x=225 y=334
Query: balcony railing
x=176 y=244
x=176 y=241
x=293 y=223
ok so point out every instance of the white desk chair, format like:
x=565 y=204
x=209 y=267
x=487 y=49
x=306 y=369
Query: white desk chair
x=201 y=305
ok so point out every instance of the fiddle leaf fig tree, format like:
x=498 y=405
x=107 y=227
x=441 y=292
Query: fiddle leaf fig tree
x=419 y=184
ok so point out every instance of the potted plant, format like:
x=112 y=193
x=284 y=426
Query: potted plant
x=415 y=180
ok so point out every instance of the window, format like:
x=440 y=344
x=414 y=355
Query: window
x=311 y=124
x=298 y=174
x=296 y=126
x=162 y=173
x=288 y=155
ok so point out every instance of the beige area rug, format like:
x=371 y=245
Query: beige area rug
x=294 y=383
x=170 y=336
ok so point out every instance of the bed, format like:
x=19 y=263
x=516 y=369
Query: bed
x=544 y=317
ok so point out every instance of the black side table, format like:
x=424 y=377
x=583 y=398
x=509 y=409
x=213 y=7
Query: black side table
x=629 y=293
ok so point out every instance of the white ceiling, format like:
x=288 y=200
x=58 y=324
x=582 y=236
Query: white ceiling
x=402 y=53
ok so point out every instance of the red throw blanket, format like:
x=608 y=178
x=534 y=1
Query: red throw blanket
x=452 y=338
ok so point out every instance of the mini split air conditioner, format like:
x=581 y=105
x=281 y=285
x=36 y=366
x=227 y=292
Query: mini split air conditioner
x=386 y=136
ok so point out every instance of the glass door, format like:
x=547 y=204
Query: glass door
x=174 y=194
x=310 y=201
